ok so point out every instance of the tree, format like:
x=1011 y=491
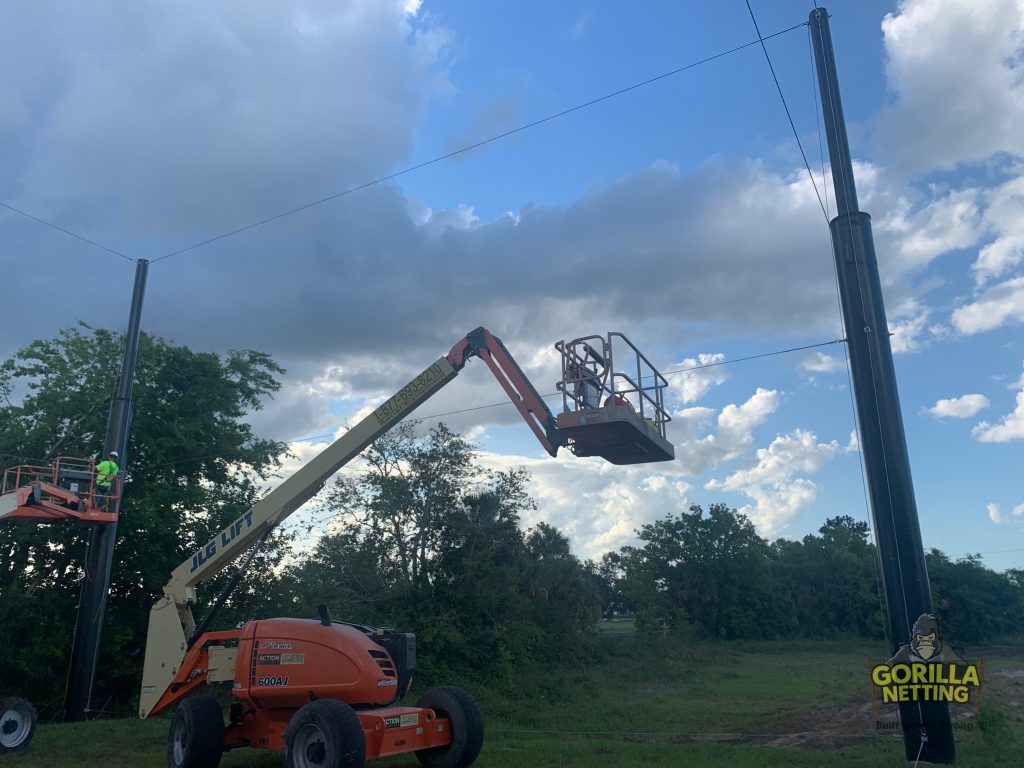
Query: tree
x=830 y=582
x=401 y=499
x=193 y=466
x=975 y=604
x=609 y=574
x=424 y=539
x=706 y=569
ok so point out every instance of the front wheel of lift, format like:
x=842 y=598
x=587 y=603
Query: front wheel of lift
x=325 y=734
x=467 y=723
x=196 y=739
x=17 y=724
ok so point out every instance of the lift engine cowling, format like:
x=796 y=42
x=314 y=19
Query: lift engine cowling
x=280 y=661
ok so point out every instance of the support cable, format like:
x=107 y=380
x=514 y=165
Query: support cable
x=68 y=232
x=817 y=121
x=792 y=125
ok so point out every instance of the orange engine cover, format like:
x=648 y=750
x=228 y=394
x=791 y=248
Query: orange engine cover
x=288 y=662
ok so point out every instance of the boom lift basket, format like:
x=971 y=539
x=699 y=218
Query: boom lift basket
x=64 y=491
x=612 y=401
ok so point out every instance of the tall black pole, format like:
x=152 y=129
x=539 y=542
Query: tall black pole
x=927 y=734
x=99 y=558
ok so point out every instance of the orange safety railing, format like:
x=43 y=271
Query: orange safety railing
x=68 y=472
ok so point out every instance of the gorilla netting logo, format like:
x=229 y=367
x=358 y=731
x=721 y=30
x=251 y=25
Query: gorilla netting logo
x=926 y=670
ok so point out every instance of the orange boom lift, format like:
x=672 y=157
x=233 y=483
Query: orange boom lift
x=62 y=492
x=327 y=692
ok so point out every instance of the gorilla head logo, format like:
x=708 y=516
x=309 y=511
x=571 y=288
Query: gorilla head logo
x=924 y=645
x=924 y=637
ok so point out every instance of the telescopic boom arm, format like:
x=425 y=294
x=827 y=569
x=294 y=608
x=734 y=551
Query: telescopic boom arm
x=171 y=624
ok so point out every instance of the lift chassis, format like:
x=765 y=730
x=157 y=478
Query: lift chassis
x=326 y=692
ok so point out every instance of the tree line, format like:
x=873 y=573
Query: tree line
x=416 y=536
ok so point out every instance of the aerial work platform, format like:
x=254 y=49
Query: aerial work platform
x=62 y=492
x=612 y=401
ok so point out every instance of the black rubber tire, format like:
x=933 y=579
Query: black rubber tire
x=196 y=738
x=17 y=723
x=467 y=728
x=327 y=734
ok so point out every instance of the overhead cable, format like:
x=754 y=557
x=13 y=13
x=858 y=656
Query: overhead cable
x=476 y=145
x=68 y=232
x=792 y=125
x=417 y=166
x=556 y=394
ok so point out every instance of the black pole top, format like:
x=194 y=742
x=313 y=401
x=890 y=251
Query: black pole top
x=835 y=121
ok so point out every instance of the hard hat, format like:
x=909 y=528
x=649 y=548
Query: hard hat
x=113 y=453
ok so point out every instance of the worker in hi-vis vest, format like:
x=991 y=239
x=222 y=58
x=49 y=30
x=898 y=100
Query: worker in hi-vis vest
x=106 y=476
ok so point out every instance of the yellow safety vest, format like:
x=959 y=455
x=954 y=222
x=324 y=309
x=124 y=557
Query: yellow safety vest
x=106 y=471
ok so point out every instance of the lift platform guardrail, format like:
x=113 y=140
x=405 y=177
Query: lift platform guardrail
x=613 y=401
x=63 y=491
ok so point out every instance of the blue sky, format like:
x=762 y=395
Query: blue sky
x=679 y=213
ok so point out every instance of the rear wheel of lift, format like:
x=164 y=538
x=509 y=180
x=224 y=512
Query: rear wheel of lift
x=196 y=739
x=17 y=724
x=325 y=734
x=467 y=727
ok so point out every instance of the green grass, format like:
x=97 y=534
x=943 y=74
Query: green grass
x=648 y=701
x=617 y=627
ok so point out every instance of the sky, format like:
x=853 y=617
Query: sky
x=679 y=213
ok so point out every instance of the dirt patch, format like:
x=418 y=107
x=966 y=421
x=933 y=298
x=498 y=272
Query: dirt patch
x=845 y=726
x=830 y=727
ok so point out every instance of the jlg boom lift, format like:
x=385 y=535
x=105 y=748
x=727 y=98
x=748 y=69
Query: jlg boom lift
x=327 y=692
x=62 y=492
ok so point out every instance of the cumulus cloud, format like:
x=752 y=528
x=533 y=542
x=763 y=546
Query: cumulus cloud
x=1018 y=384
x=819 y=362
x=363 y=279
x=202 y=115
x=1010 y=427
x=961 y=407
x=693 y=385
x=598 y=505
x=688 y=423
x=945 y=222
x=734 y=436
x=780 y=497
x=953 y=67
x=461 y=217
x=1004 y=217
x=994 y=514
x=906 y=332
x=999 y=305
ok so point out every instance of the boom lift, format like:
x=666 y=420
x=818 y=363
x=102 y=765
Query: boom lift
x=324 y=691
x=62 y=492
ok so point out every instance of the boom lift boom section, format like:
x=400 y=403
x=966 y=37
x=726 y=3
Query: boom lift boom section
x=172 y=628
